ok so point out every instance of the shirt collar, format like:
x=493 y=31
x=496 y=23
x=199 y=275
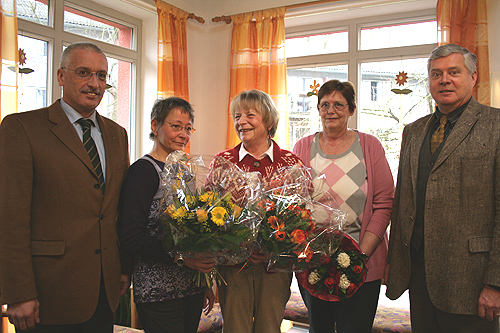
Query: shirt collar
x=452 y=116
x=74 y=115
x=269 y=152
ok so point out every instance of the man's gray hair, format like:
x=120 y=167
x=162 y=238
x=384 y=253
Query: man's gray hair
x=442 y=51
x=63 y=62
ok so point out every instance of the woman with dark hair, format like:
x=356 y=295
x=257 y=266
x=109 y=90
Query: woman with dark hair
x=167 y=299
x=351 y=166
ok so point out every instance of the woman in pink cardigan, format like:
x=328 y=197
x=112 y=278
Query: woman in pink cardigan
x=351 y=166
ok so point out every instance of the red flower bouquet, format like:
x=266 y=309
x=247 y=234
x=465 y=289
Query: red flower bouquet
x=340 y=276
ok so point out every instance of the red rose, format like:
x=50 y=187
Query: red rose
x=298 y=236
x=332 y=271
x=357 y=269
x=330 y=282
x=351 y=289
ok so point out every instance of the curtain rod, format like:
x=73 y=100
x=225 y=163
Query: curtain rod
x=142 y=4
x=228 y=19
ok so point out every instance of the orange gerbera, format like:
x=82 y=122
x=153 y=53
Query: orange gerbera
x=280 y=235
x=275 y=223
x=307 y=254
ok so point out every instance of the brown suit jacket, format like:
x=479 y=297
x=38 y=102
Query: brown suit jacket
x=462 y=211
x=57 y=231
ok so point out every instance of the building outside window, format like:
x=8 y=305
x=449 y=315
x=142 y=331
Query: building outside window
x=371 y=55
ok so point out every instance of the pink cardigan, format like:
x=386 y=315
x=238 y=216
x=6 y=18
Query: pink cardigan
x=380 y=194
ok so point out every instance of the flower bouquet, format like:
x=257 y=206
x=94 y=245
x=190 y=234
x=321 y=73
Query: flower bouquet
x=340 y=276
x=289 y=231
x=199 y=221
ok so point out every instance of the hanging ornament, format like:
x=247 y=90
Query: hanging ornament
x=401 y=79
x=22 y=61
x=314 y=88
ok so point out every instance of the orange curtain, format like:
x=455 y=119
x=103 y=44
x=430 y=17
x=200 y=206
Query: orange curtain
x=172 y=51
x=10 y=58
x=465 y=23
x=258 y=62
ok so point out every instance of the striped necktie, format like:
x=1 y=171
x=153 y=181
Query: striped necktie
x=91 y=148
x=438 y=136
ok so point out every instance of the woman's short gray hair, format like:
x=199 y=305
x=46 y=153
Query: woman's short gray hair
x=470 y=59
x=260 y=102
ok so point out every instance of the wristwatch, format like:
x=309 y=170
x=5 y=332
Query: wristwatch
x=179 y=260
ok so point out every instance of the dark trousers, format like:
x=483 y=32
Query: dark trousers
x=353 y=315
x=180 y=315
x=100 y=322
x=426 y=318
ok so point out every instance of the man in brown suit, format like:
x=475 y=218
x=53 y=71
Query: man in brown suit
x=445 y=235
x=59 y=260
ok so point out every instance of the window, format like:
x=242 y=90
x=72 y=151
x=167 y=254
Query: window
x=384 y=49
x=334 y=42
x=115 y=33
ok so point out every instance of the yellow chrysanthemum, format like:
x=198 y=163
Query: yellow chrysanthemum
x=207 y=197
x=179 y=213
x=218 y=214
x=202 y=215
x=170 y=210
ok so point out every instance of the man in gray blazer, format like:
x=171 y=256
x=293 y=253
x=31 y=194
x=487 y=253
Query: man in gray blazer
x=445 y=235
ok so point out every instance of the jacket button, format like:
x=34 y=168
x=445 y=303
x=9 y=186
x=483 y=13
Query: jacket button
x=96 y=186
x=98 y=251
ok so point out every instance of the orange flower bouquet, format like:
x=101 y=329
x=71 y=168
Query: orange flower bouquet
x=291 y=235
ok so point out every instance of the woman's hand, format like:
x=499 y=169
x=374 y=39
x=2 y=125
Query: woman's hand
x=208 y=301
x=258 y=256
x=200 y=262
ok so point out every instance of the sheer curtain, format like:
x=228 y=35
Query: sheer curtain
x=9 y=56
x=465 y=23
x=258 y=62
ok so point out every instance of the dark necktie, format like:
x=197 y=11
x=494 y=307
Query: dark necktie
x=91 y=148
x=438 y=136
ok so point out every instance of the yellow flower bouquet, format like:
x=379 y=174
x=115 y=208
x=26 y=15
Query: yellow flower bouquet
x=203 y=221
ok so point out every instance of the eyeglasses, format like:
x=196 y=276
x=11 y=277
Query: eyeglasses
x=336 y=106
x=83 y=73
x=178 y=128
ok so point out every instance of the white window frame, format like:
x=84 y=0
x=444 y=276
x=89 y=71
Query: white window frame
x=355 y=57
x=56 y=37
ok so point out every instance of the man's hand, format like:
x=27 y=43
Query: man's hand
x=24 y=315
x=489 y=304
x=124 y=284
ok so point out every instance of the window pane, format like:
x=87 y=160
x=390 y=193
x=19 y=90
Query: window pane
x=32 y=85
x=398 y=35
x=115 y=103
x=335 y=42
x=384 y=112
x=304 y=117
x=33 y=10
x=88 y=25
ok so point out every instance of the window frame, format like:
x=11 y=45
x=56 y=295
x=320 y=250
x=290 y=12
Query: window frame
x=354 y=57
x=56 y=37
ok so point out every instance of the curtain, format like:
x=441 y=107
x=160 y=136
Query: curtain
x=258 y=62
x=465 y=23
x=9 y=56
x=172 y=51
